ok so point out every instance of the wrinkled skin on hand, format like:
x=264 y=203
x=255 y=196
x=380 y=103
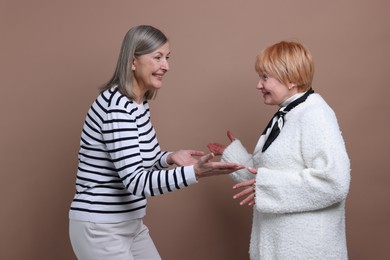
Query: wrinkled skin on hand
x=206 y=168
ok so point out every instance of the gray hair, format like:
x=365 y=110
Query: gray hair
x=139 y=40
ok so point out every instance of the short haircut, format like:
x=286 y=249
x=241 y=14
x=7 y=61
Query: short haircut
x=288 y=62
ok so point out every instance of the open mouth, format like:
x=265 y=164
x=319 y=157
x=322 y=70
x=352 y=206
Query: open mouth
x=158 y=75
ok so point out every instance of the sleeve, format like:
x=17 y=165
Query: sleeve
x=325 y=177
x=235 y=152
x=120 y=135
x=161 y=161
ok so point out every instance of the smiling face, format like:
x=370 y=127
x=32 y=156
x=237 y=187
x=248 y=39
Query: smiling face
x=285 y=69
x=274 y=92
x=149 y=70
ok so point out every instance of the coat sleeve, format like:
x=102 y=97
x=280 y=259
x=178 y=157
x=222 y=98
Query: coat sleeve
x=236 y=153
x=325 y=175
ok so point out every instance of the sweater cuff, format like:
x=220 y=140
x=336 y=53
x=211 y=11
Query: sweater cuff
x=235 y=152
x=163 y=160
x=190 y=175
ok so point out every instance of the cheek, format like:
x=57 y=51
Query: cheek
x=153 y=66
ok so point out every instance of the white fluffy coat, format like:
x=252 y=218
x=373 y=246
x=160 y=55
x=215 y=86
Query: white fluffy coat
x=302 y=182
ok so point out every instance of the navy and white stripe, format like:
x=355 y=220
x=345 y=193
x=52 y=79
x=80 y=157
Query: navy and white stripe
x=120 y=162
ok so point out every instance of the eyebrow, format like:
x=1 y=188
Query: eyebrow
x=160 y=53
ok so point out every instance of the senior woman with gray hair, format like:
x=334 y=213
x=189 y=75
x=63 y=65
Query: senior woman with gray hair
x=120 y=161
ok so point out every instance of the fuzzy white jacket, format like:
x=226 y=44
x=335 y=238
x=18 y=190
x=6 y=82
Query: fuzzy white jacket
x=302 y=182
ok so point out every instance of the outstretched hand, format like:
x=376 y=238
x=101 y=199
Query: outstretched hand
x=249 y=191
x=206 y=168
x=184 y=157
x=217 y=148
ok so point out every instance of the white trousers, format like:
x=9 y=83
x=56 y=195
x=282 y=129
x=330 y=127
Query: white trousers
x=129 y=240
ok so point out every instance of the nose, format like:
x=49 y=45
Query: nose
x=165 y=65
x=259 y=84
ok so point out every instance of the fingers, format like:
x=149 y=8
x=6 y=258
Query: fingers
x=252 y=170
x=207 y=168
x=250 y=200
x=243 y=193
x=226 y=165
x=206 y=158
x=230 y=136
x=221 y=168
x=249 y=192
x=216 y=148
x=197 y=153
x=244 y=184
x=212 y=147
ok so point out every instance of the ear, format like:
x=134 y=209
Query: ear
x=291 y=85
x=133 y=64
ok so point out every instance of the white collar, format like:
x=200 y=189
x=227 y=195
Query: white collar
x=290 y=99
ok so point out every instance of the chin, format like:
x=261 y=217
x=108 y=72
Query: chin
x=270 y=103
x=267 y=101
x=157 y=85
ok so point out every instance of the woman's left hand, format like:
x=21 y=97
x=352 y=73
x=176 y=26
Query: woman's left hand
x=184 y=157
x=217 y=148
x=249 y=192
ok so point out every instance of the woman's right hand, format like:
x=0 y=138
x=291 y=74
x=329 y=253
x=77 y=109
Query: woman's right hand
x=249 y=192
x=206 y=168
x=217 y=148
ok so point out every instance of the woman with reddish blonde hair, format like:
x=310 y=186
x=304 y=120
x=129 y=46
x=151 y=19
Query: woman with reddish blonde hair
x=299 y=173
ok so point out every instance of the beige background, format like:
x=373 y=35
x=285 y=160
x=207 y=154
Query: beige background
x=54 y=55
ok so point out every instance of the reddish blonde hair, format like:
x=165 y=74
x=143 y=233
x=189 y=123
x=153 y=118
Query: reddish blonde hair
x=288 y=62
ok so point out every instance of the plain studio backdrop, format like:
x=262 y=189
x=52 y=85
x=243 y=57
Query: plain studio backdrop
x=55 y=54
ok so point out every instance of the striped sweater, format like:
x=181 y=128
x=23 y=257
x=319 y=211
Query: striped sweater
x=120 y=162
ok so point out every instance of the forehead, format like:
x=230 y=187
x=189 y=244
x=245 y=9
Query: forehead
x=164 y=49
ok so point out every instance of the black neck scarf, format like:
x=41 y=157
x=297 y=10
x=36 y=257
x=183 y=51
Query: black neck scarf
x=280 y=116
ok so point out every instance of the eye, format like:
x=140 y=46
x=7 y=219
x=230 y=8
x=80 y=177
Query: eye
x=264 y=77
x=158 y=58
